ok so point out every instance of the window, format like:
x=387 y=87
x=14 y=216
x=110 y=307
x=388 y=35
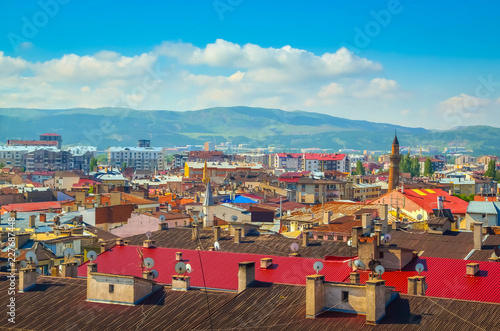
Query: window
x=380 y=255
x=345 y=296
x=111 y=288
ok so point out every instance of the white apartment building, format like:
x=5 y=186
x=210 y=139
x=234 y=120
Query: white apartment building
x=142 y=158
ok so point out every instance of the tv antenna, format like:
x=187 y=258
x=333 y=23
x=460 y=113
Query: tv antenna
x=149 y=263
x=318 y=266
x=387 y=238
x=419 y=268
x=294 y=247
x=155 y=274
x=216 y=246
x=234 y=218
x=188 y=268
x=91 y=256
x=180 y=268
x=31 y=257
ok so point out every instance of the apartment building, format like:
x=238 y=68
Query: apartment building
x=46 y=159
x=142 y=158
x=12 y=156
x=315 y=162
x=81 y=156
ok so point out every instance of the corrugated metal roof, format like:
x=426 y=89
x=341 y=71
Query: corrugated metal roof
x=482 y=207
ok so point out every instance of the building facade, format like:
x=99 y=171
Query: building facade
x=142 y=158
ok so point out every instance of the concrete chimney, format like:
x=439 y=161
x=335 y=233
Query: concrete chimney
x=378 y=227
x=354 y=278
x=69 y=269
x=416 y=285
x=195 y=232
x=478 y=235
x=178 y=256
x=305 y=238
x=43 y=217
x=327 y=216
x=472 y=269
x=162 y=226
x=237 y=236
x=356 y=232
x=365 y=221
x=149 y=243
x=103 y=247
x=119 y=242
x=147 y=274
x=91 y=267
x=266 y=263
x=20 y=239
x=315 y=295
x=181 y=283
x=32 y=219
x=378 y=234
x=396 y=225
x=217 y=232
x=51 y=210
x=13 y=214
x=246 y=275
x=27 y=279
x=375 y=300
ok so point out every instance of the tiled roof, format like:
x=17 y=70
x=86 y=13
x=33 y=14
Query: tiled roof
x=427 y=199
x=32 y=206
x=488 y=248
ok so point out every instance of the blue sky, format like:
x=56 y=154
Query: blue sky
x=414 y=63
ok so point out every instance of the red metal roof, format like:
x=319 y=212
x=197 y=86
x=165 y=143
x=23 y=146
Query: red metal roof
x=427 y=199
x=446 y=278
x=50 y=134
x=324 y=157
x=33 y=206
x=85 y=183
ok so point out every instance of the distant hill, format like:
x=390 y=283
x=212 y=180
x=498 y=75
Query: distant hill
x=258 y=127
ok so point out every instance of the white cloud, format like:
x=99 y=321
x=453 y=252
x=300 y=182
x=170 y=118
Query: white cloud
x=377 y=87
x=463 y=105
x=331 y=90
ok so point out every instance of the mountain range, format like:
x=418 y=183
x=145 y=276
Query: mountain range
x=257 y=127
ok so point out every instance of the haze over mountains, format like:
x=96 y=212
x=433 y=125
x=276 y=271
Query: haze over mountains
x=258 y=127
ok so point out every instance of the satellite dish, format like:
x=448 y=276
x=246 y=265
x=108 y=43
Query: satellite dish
x=38 y=271
x=180 y=268
x=78 y=262
x=359 y=264
x=47 y=233
x=84 y=226
x=155 y=274
x=57 y=233
x=22 y=230
x=349 y=242
x=96 y=205
x=387 y=238
x=188 y=268
x=162 y=218
x=149 y=262
x=497 y=250
x=373 y=264
x=69 y=253
x=195 y=218
x=350 y=263
x=318 y=265
x=148 y=234
x=379 y=270
x=91 y=255
x=234 y=218
x=17 y=253
x=66 y=226
x=289 y=213
x=23 y=264
x=419 y=217
x=202 y=215
x=169 y=207
x=294 y=247
x=216 y=246
x=419 y=268
x=31 y=256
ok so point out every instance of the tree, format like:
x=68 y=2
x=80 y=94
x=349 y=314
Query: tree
x=405 y=164
x=428 y=167
x=169 y=158
x=464 y=197
x=102 y=159
x=492 y=169
x=360 y=170
x=124 y=165
x=93 y=163
x=415 y=167
x=2 y=165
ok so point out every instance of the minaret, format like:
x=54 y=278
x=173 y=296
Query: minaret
x=208 y=202
x=395 y=158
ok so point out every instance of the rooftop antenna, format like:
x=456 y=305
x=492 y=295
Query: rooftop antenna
x=91 y=256
x=379 y=270
x=419 y=268
x=234 y=218
x=155 y=274
x=294 y=247
x=180 y=268
x=23 y=264
x=188 y=268
x=387 y=238
x=359 y=265
x=216 y=246
x=318 y=266
x=149 y=234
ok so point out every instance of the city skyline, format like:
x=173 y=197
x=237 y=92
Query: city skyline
x=416 y=67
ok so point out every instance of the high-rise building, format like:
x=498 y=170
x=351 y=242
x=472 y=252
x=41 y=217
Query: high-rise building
x=144 y=143
x=52 y=137
x=394 y=158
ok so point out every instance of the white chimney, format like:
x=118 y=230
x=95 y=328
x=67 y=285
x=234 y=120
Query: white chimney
x=440 y=200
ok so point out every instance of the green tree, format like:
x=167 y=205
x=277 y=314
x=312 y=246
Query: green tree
x=169 y=158
x=2 y=165
x=102 y=159
x=405 y=164
x=93 y=163
x=492 y=170
x=428 y=167
x=415 y=167
x=360 y=170
x=124 y=165
x=464 y=197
